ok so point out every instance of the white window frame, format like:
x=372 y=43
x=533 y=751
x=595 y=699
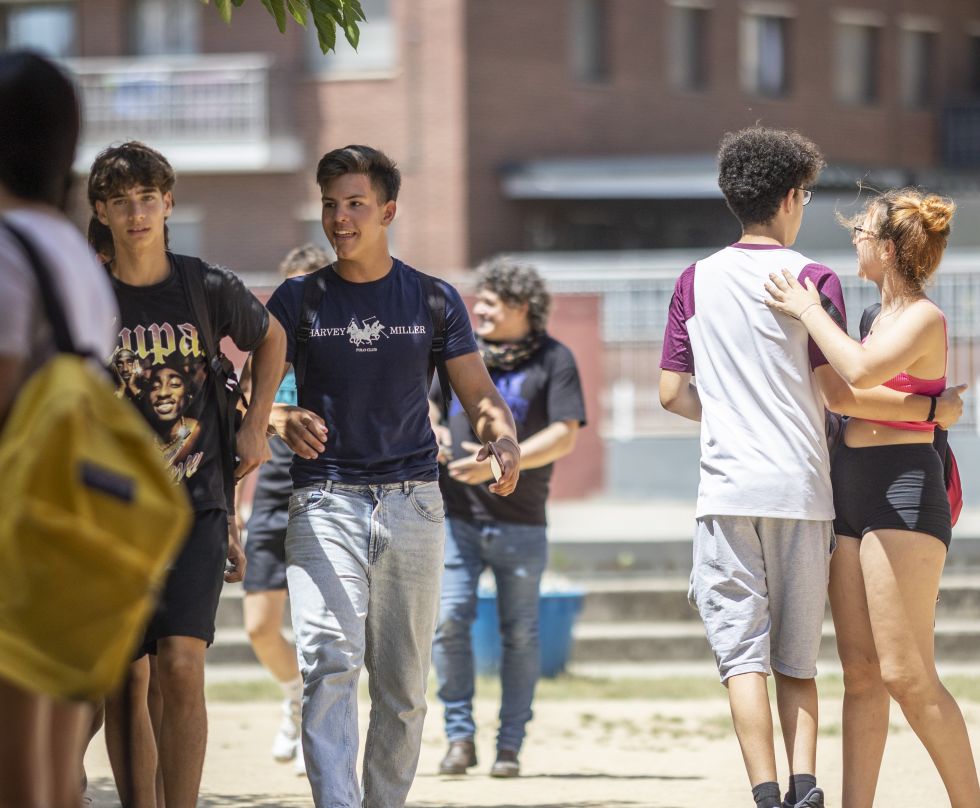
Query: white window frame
x=588 y=50
x=749 y=56
x=916 y=25
x=869 y=20
x=678 y=62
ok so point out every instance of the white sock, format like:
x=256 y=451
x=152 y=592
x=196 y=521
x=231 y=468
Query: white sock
x=293 y=691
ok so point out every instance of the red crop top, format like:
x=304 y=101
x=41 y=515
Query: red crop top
x=905 y=383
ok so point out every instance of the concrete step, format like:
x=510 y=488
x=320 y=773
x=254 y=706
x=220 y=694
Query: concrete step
x=672 y=641
x=671 y=557
x=652 y=598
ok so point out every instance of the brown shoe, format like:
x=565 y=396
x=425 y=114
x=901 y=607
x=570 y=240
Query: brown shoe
x=460 y=757
x=506 y=764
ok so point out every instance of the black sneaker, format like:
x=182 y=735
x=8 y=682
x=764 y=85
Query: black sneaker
x=813 y=799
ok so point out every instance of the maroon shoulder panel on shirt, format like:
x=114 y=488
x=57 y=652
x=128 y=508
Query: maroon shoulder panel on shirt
x=828 y=284
x=677 y=355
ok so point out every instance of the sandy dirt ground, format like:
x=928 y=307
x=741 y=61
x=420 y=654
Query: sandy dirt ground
x=579 y=754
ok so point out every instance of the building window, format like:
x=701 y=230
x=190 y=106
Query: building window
x=975 y=65
x=376 y=48
x=764 y=54
x=687 y=46
x=856 y=63
x=917 y=49
x=45 y=27
x=164 y=27
x=587 y=40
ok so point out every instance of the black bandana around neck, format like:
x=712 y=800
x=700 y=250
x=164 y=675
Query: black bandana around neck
x=510 y=355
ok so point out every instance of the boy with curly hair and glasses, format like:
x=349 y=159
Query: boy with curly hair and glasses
x=764 y=530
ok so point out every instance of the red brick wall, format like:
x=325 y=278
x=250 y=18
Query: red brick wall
x=523 y=103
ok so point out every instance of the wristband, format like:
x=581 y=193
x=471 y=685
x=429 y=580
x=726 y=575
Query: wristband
x=806 y=310
x=932 y=410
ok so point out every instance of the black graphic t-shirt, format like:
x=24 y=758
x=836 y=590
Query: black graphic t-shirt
x=367 y=374
x=160 y=365
x=542 y=391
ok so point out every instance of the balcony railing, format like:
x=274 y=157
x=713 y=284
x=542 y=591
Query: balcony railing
x=198 y=99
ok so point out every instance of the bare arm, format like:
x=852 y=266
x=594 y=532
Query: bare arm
x=491 y=418
x=267 y=364
x=885 y=404
x=546 y=446
x=678 y=395
x=860 y=365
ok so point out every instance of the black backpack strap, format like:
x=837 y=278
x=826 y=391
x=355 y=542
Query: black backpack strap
x=49 y=298
x=314 y=288
x=435 y=299
x=868 y=318
x=221 y=373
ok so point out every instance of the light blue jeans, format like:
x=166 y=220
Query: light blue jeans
x=517 y=554
x=363 y=575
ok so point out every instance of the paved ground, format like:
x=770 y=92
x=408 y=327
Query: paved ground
x=582 y=754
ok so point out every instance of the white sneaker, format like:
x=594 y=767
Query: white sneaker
x=286 y=743
x=299 y=765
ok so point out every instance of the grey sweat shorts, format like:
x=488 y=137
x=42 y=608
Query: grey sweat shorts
x=760 y=585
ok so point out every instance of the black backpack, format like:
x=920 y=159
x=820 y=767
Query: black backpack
x=314 y=288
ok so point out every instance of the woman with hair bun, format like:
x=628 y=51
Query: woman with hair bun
x=893 y=520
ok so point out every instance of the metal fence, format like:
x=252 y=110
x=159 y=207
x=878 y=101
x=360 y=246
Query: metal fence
x=634 y=311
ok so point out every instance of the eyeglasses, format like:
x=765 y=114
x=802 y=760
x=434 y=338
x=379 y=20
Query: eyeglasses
x=807 y=195
x=858 y=229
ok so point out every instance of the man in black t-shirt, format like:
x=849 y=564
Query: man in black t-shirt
x=164 y=368
x=537 y=377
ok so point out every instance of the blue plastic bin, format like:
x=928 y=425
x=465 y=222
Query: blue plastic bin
x=558 y=613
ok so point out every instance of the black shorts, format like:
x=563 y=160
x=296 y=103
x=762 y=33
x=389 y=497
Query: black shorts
x=189 y=601
x=895 y=487
x=266 y=554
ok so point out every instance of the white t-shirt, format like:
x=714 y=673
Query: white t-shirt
x=81 y=283
x=763 y=443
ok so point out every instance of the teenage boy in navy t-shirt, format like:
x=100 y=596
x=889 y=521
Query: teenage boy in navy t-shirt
x=364 y=544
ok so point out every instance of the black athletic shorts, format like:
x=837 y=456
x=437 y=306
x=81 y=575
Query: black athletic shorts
x=189 y=601
x=266 y=554
x=898 y=487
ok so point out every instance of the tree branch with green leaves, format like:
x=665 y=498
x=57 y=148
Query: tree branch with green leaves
x=327 y=16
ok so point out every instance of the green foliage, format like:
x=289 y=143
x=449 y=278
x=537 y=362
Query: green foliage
x=327 y=15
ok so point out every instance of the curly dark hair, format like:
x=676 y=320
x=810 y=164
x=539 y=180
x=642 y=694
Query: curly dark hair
x=303 y=259
x=129 y=164
x=380 y=168
x=516 y=284
x=758 y=166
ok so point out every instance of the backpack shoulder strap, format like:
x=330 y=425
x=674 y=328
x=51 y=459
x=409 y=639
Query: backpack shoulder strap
x=314 y=288
x=868 y=318
x=435 y=299
x=191 y=272
x=49 y=298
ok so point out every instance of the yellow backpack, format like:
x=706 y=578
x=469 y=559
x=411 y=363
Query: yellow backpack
x=89 y=524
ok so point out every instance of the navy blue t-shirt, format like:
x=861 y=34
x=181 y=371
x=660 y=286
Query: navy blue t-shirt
x=367 y=374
